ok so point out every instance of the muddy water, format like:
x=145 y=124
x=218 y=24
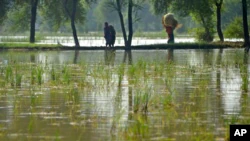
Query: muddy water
x=201 y=93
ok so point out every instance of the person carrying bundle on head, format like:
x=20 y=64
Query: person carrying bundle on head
x=169 y=23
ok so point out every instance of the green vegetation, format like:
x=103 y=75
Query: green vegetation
x=26 y=45
x=201 y=45
x=235 y=29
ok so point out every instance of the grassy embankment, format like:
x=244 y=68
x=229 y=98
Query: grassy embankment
x=30 y=46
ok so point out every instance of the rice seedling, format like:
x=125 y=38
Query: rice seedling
x=53 y=73
x=8 y=74
x=33 y=75
x=31 y=124
x=66 y=75
x=39 y=75
x=141 y=100
x=138 y=130
x=73 y=96
x=18 y=79
x=120 y=73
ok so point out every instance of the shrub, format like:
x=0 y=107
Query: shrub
x=235 y=29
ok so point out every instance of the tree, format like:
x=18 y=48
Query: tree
x=245 y=25
x=132 y=8
x=32 y=5
x=218 y=4
x=72 y=14
x=33 y=12
x=103 y=14
x=4 y=7
x=61 y=11
x=200 y=10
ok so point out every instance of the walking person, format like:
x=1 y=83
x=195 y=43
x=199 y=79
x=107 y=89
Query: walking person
x=169 y=23
x=107 y=33
x=170 y=33
x=112 y=35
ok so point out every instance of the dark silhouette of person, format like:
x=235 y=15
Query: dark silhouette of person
x=107 y=33
x=112 y=35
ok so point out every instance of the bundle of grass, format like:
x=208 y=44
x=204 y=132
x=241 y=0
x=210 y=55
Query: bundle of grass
x=169 y=20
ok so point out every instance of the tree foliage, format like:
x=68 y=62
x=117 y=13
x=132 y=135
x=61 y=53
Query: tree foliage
x=18 y=18
x=235 y=28
x=4 y=7
x=55 y=12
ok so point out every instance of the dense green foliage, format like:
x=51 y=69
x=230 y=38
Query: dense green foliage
x=4 y=5
x=235 y=29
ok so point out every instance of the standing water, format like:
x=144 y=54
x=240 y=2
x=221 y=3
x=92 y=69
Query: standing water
x=115 y=95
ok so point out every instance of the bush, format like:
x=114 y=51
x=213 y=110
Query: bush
x=235 y=29
x=203 y=36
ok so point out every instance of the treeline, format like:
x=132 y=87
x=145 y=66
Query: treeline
x=203 y=19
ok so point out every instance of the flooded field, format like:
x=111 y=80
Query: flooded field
x=181 y=95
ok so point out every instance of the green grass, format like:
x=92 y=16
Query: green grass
x=27 y=45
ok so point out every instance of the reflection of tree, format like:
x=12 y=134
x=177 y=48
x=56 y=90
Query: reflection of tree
x=244 y=86
x=218 y=86
x=109 y=56
x=76 y=56
x=130 y=102
x=129 y=54
x=130 y=92
x=218 y=74
x=117 y=111
x=32 y=58
x=207 y=53
x=244 y=74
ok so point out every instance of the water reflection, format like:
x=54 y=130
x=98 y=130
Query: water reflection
x=76 y=56
x=109 y=56
x=32 y=58
x=218 y=73
x=128 y=57
x=244 y=74
x=204 y=85
x=170 y=55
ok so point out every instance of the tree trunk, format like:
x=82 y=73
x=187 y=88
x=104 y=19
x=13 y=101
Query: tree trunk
x=218 y=11
x=73 y=23
x=122 y=22
x=33 y=20
x=245 y=25
x=207 y=36
x=72 y=20
x=130 y=24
